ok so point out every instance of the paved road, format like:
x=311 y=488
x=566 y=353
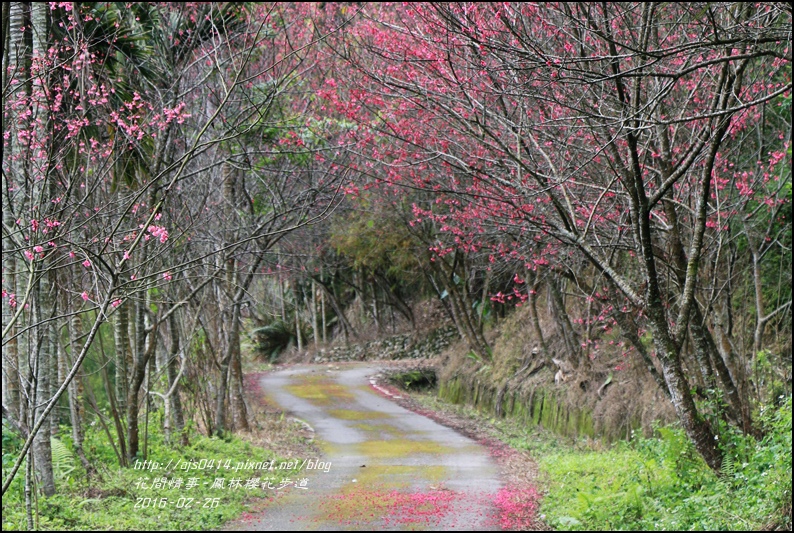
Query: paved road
x=387 y=467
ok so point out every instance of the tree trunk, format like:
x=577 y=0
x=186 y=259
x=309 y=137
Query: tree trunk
x=281 y=300
x=461 y=306
x=225 y=377
x=324 y=319
x=315 y=324
x=220 y=399
x=115 y=411
x=705 y=343
x=697 y=428
x=394 y=299
x=629 y=330
x=122 y=353
x=486 y=287
x=16 y=57
x=76 y=389
x=177 y=418
x=375 y=307
x=298 y=335
x=29 y=490
x=138 y=374
x=347 y=328
x=569 y=334
x=239 y=411
x=444 y=302
x=736 y=370
x=707 y=354
x=11 y=397
x=41 y=362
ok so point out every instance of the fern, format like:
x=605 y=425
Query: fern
x=62 y=459
x=728 y=469
x=274 y=338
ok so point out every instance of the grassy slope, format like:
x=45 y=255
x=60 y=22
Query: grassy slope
x=656 y=483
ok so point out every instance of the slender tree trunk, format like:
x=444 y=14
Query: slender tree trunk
x=231 y=180
x=76 y=390
x=137 y=377
x=41 y=362
x=220 y=400
x=444 y=303
x=758 y=333
x=705 y=343
x=220 y=411
x=60 y=375
x=707 y=354
x=375 y=307
x=347 y=328
x=486 y=287
x=462 y=317
x=11 y=397
x=736 y=370
x=569 y=335
x=460 y=304
x=324 y=320
x=122 y=353
x=315 y=322
x=697 y=429
x=177 y=418
x=298 y=320
x=115 y=411
x=29 y=490
x=133 y=408
x=239 y=411
x=281 y=300
x=16 y=61
x=6 y=45
x=140 y=362
x=150 y=383
x=394 y=299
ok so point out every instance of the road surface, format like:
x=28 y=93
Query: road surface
x=383 y=467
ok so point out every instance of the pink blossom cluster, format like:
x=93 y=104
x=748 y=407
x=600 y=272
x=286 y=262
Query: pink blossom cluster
x=158 y=231
x=12 y=298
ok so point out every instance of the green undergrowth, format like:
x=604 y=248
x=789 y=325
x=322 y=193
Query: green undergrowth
x=149 y=499
x=657 y=483
x=661 y=483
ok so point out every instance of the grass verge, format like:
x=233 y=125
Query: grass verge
x=657 y=483
x=195 y=487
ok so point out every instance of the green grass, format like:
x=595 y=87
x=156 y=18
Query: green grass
x=662 y=484
x=127 y=499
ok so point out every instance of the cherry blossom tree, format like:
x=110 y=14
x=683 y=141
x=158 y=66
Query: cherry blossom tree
x=593 y=134
x=119 y=127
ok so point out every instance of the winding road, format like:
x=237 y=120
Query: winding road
x=383 y=467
